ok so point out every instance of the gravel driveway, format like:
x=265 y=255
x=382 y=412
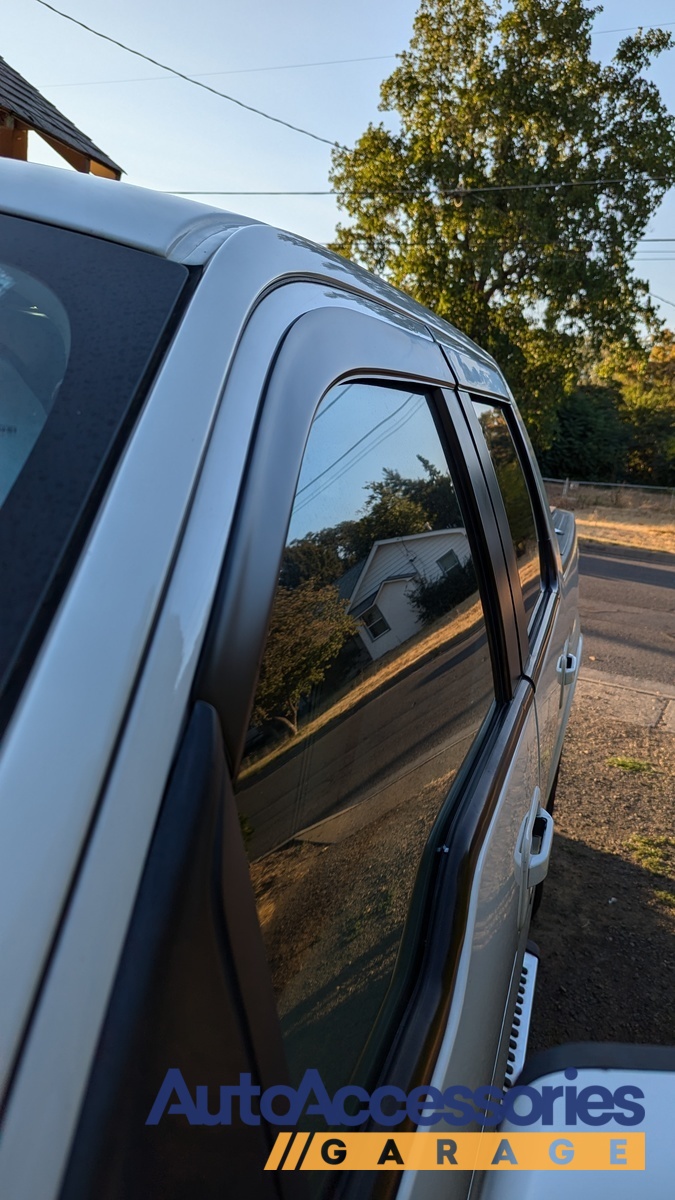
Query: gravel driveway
x=606 y=927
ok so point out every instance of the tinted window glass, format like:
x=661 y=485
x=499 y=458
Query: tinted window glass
x=34 y=349
x=80 y=320
x=375 y=681
x=516 y=497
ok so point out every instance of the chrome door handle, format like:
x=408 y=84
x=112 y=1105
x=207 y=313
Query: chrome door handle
x=533 y=852
x=539 y=861
x=567 y=667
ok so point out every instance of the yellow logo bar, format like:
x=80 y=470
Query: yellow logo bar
x=460 y=1152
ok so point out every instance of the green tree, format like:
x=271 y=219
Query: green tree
x=496 y=95
x=591 y=440
x=433 y=492
x=395 y=506
x=643 y=376
x=388 y=514
x=309 y=627
x=316 y=556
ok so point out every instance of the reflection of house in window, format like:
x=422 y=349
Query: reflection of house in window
x=377 y=589
x=374 y=622
x=447 y=562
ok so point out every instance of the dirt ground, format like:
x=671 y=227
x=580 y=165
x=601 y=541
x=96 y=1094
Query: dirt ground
x=606 y=927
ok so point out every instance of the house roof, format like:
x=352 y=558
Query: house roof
x=352 y=578
x=347 y=582
x=22 y=100
x=363 y=605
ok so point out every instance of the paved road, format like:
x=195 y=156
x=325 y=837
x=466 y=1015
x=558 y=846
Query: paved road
x=628 y=612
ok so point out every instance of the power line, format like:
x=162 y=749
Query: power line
x=633 y=28
x=171 y=192
x=188 y=78
x=240 y=103
x=329 y=62
x=662 y=299
x=367 y=434
x=472 y=191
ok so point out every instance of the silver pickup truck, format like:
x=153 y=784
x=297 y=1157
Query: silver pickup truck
x=289 y=642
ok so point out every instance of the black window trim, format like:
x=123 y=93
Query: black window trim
x=529 y=630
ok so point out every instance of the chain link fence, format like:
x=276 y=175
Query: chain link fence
x=582 y=494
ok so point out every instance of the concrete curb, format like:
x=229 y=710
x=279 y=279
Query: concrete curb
x=632 y=701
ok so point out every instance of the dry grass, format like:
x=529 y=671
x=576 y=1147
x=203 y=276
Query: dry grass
x=628 y=527
x=424 y=645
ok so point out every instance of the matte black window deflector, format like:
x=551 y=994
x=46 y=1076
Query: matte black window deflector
x=81 y=323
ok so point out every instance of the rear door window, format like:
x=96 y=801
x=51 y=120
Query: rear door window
x=517 y=502
x=375 y=682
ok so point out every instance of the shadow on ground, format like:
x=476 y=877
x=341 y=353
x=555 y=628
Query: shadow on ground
x=607 y=951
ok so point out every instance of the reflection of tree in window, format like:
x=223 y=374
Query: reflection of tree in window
x=515 y=496
x=510 y=478
x=338 y=813
x=394 y=506
x=308 y=628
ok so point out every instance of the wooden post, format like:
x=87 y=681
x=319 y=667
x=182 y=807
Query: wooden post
x=13 y=137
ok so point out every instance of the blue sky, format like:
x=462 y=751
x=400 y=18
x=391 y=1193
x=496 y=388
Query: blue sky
x=169 y=135
x=360 y=430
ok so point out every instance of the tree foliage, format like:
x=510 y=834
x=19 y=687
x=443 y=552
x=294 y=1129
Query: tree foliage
x=435 y=598
x=395 y=506
x=591 y=439
x=499 y=95
x=310 y=623
x=308 y=628
x=619 y=425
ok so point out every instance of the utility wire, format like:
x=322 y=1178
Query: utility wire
x=472 y=191
x=188 y=78
x=632 y=28
x=662 y=299
x=329 y=62
x=260 y=112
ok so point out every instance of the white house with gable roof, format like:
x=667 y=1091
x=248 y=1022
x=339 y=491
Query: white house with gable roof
x=378 y=589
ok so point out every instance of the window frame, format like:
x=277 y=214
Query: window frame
x=380 y=617
x=446 y=570
x=532 y=645
x=323 y=348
